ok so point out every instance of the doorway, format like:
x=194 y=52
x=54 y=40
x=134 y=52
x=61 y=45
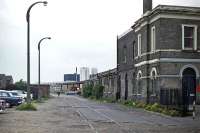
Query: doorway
x=118 y=94
x=188 y=88
x=126 y=88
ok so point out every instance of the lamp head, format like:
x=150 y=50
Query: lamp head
x=49 y=38
x=45 y=3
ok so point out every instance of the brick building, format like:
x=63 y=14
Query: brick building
x=158 y=59
x=108 y=79
x=44 y=90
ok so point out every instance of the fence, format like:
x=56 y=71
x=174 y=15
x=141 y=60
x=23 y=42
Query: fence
x=171 y=97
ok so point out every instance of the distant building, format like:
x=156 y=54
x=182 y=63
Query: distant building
x=9 y=80
x=71 y=77
x=2 y=81
x=5 y=81
x=44 y=90
x=84 y=73
x=94 y=71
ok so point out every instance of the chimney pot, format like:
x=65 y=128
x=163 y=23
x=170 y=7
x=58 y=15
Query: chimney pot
x=147 y=6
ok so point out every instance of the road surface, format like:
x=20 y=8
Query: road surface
x=73 y=114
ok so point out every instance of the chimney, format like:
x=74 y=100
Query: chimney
x=147 y=6
x=76 y=75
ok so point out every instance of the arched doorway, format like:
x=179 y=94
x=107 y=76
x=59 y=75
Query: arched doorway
x=188 y=87
x=153 y=81
x=139 y=84
x=118 y=94
x=126 y=88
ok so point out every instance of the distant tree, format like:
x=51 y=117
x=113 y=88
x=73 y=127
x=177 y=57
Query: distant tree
x=21 y=85
x=10 y=87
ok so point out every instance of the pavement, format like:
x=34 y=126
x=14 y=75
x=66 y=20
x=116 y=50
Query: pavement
x=73 y=114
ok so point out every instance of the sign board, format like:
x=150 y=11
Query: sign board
x=198 y=90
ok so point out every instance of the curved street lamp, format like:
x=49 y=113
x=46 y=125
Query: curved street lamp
x=39 y=92
x=28 y=47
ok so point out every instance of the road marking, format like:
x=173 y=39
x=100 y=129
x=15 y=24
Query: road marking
x=102 y=114
x=87 y=121
x=111 y=120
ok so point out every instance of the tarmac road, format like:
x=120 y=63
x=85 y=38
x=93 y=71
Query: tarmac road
x=73 y=114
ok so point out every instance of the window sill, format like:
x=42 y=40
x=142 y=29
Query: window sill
x=189 y=50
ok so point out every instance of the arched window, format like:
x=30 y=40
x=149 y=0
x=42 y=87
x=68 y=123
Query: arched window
x=139 y=83
x=118 y=94
x=126 y=87
x=133 y=50
x=153 y=80
x=133 y=84
x=124 y=54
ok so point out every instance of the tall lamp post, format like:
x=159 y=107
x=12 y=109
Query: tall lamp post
x=28 y=47
x=39 y=92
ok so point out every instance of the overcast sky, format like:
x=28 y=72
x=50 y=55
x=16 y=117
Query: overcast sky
x=83 y=34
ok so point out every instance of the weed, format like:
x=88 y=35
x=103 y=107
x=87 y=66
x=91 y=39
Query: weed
x=26 y=107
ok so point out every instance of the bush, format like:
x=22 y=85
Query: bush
x=174 y=113
x=129 y=103
x=98 y=91
x=87 y=91
x=140 y=105
x=92 y=97
x=165 y=111
x=26 y=107
x=108 y=100
x=148 y=107
x=155 y=107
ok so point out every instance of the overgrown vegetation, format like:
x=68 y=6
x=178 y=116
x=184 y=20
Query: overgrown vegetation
x=136 y=104
x=157 y=108
x=98 y=91
x=26 y=107
x=151 y=107
x=94 y=92
x=87 y=91
x=42 y=100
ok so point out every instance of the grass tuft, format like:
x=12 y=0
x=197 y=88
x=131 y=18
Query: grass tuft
x=26 y=107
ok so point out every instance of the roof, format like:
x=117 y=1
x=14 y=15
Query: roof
x=125 y=33
x=177 y=8
x=105 y=73
x=181 y=10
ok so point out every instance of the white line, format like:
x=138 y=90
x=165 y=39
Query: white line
x=105 y=116
x=90 y=125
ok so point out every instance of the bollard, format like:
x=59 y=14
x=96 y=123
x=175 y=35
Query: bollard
x=193 y=113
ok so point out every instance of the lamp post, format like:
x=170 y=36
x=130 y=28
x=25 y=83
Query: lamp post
x=39 y=92
x=28 y=47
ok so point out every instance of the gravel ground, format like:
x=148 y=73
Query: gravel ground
x=59 y=115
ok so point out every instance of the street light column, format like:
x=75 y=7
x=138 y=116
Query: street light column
x=39 y=91
x=28 y=47
x=39 y=94
x=28 y=60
